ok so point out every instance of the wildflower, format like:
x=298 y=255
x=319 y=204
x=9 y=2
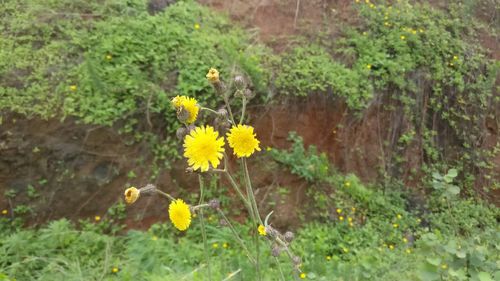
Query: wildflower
x=399 y=216
x=444 y=266
x=413 y=31
x=262 y=230
x=405 y=240
x=455 y=57
x=386 y=23
x=341 y=218
x=347 y=183
x=187 y=108
x=408 y=251
x=302 y=275
x=419 y=220
x=225 y=245
x=349 y=219
x=339 y=211
x=154 y=238
x=328 y=258
x=421 y=30
x=242 y=140
x=289 y=236
x=369 y=66
x=203 y=147
x=391 y=247
x=179 y=214
x=215 y=245
x=213 y=75
x=196 y=26
x=345 y=250
x=131 y=195
x=372 y=5
x=73 y=88
x=351 y=224
x=395 y=225
x=268 y=148
x=5 y=212
x=97 y=218
x=109 y=57
x=402 y=37
x=353 y=209
x=115 y=269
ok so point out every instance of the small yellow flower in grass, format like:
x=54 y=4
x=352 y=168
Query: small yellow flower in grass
x=242 y=140
x=391 y=247
x=339 y=211
x=97 y=218
x=268 y=148
x=115 y=269
x=386 y=23
x=328 y=258
x=179 y=214
x=5 y=212
x=302 y=275
x=188 y=104
x=408 y=251
x=444 y=266
x=455 y=58
x=154 y=238
x=402 y=37
x=421 y=30
x=345 y=250
x=225 y=245
x=353 y=209
x=196 y=26
x=351 y=224
x=349 y=219
x=369 y=66
x=73 y=88
x=203 y=147
x=341 y=218
x=405 y=240
x=109 y=57
x=213 y=75
x=262 y=230
x=399 y=216
x=347 y=183
x=395 y=225
x=131 y=195
x=419 y=220
x=372 y=6
x=215 y=245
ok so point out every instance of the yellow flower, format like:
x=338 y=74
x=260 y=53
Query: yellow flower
x=353 y=209
x=196 y=26
x=225 y=245
x=349 y=219
x=408 y=251
x=391 y=247
x=444 y=266
x=203 y=147
x=402 y=37
x=345 y=250
x=109 y=57
x=131 y=195
x=351 y=224
x=188 y=104
x=399 y=216
x=5 y=212
x=215 y=245
x=328 y=258
x=213 y=75
x=262 y=230
x=455 y=57
x=369 y=66
x=73 y=88
x=242 y=140
x=268 y=148
x=339 y=211
x=115 y=270
x=179 y=214
x=347 y=184
x=302 y=275
x=405 y=240
x=395 y=225
x=154 y=238
x=97 y=218
x=341 y=218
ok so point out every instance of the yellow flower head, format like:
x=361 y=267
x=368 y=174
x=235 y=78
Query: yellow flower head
x=73 y=88
x=215 y=245
x=190 y=105
x=408 y=251
x=262 y=230
x=369 y=66
x=115 y=270
x=402 y=37
x=242 y=140
x=213 y=75
x=339 y=211
x=444 y=266
x=347 y=184
x=225 y=245
x=391 y=247
x=196 y=26
x=109 y=57
x=203 y=147
x=399 y=216
x=5 y=212
x=328 y=258
x=302 y=275
x=395 y=225
x=179 y=214
x=131 y=195
x=341 y=218
x=97 y=218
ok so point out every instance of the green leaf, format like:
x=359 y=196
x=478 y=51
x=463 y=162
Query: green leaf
x=428 y=272
x=484 y=276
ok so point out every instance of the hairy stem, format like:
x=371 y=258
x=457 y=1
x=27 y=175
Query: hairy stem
x=203 y=230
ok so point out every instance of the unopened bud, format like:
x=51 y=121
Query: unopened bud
x=297 y=260
x=249 y=94
x=239 y=82
x=181 y=133
x=148 y=189
x=223 y=222
x=222 y=113
x=182 y=114
x=289 y=236
x=275 y=251
x=214 y=204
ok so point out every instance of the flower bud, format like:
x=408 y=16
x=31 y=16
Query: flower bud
x=296 y=260
x=148 y=189
x=213 y=75
x=181 y=133
x=275 y=251
x=183 y=114
x=249 y=94
x=214 y=204
x=131 y=195
x=289 y=236
x=239 y=82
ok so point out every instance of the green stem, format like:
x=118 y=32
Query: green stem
x=251 y=195
x=209 y=109
x=203 y=230
x=166 y=195
x=226 y=100
x=238 y=238
x=243 y=109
